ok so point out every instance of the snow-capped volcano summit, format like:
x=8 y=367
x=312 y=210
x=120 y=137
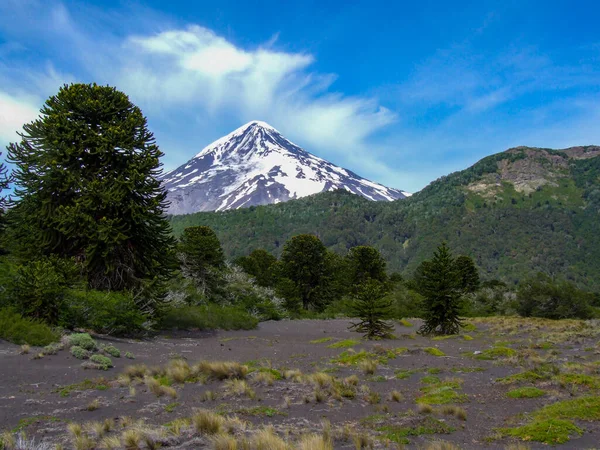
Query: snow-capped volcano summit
x=256 y=165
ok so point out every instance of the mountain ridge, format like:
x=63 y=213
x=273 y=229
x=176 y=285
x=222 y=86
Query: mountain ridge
x=255 y=165
x=553 y=227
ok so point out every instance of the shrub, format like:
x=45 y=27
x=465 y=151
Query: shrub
x=208 y=317
x=103 y=362
x=79 y=352
x=112 y=351
x=82 y=340
x=104 y=312
x=21 y=330
x=544 y=297
x=39 y=287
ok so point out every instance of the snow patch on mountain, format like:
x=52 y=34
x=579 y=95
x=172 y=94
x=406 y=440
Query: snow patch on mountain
x=256 y=165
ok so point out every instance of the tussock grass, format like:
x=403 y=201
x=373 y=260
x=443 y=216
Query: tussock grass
x=396 y=396
x=314 y=442
x=110 y=442
x=207 y=422
x=266 y=439
x=321 y=341
x=224 y=442
x=368 y=366
x=239 y=387
x=178 y=370
x=221 y=370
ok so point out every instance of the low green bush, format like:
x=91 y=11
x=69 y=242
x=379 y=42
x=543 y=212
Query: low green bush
x=103 y=362
x=79 y=352
x=112 y=351
x=207 y=317
x=82 y=340
x=21 y=330
x=104 y=312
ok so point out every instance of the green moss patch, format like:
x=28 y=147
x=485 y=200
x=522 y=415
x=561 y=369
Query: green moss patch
x=496 y=352
x=344 y=344
x=550 y=431
x=526 y=392
x=434 y=351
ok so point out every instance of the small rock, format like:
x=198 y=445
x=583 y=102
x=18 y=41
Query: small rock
x=477 y=352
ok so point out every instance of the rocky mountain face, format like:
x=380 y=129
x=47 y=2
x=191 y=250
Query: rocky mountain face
x=256 y=165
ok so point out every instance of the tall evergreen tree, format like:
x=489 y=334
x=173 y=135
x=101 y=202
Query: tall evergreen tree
x=439 y=282
x=372 y=307
x=201 y=256
x=86 y=183
x=260 y=264
x=304 y=261
x=365 y=263
x=469 y=275
x=4 y=184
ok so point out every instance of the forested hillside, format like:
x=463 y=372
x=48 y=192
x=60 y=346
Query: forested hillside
x=515 y=212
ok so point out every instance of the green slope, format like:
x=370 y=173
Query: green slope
x=515 y=212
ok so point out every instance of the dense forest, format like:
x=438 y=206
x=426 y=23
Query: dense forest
x=521 y=211
x=85 y=243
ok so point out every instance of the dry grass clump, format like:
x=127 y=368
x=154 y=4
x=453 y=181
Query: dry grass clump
x=224 y=442
x=110 y=442
x=239 y=387
x=93 y=405
x=294 y=375
x=315 y=442
x=222 y=370
x=424 y=408
x=352 y=380
x=25 y=348
x=266 y=439
x=207 y=422
x=368 y=366
x=8 y=440
x=136 y=371
x=441 y=445
x=266 y=378
x=178 y=370
x=320 y=379
x=158 y=389
x=132 y=438
x=396 y=396
x=453 y=410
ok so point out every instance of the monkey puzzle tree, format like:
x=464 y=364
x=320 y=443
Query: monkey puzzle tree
x=87 y=188
x=365 y=263
x=304 y=262
x=201 y=256
x=440 y=283
x=372 y=307
x=4 y=183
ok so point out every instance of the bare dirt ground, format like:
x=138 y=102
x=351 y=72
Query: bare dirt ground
x=455 y=395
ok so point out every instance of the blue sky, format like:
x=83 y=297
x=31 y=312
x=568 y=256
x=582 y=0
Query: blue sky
x=399 y=92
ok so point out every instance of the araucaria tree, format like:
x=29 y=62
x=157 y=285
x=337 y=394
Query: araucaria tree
x=304 y=262
x=201 y=256
x=372 y=307
x=365 y=263
x=87 y=188
x=439 y=282
x=4 y=184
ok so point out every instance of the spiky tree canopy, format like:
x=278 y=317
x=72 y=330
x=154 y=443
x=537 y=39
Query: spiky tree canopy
x=439 y=282
x=201 y=255
x=304 y=261
x=365 y=263
x=87 y=188
x=372 y=307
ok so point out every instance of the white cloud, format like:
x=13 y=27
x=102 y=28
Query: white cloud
x=14 y=113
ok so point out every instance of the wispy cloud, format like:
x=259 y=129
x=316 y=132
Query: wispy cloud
x=193 y=73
